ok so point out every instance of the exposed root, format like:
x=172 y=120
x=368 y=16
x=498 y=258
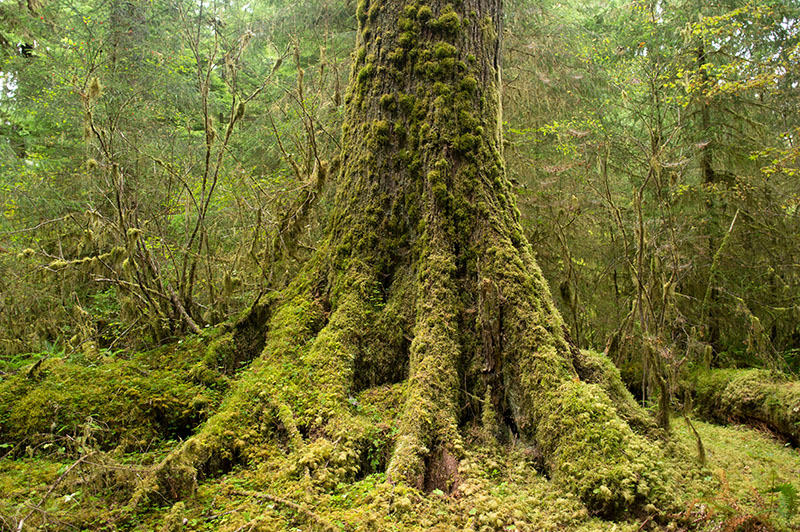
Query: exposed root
x=596 y=455
x=300 y=383
x=596 y=368
x=253 y=412
x=583 y=436
x=429 y=417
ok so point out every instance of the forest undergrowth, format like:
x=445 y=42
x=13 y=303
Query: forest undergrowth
x=82 y=452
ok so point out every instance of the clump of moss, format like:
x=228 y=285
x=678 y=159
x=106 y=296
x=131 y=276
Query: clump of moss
x=407 y=39
x=360 y=55
x=433 y=70
x=466 y=142
x=374 y=9
x=387 y=101
x=174 y=520
x=380 y=131
x=365 y=73
x=397 y=57
x=443 y=49
x=469 y=84
x=400 y=131
x=449 y=21
x=424 y=14
x=442 y=89
x=220 y=354
x=361 y=11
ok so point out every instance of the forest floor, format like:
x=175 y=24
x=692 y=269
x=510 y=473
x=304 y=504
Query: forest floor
x=79 y=435
x=748 y=483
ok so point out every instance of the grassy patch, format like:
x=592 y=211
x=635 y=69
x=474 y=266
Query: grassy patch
x=743 y=469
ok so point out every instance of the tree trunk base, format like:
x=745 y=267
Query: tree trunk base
x=297 y=397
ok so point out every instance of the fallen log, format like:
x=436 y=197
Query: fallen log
x=752 y=396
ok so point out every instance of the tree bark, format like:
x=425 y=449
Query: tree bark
x=426 y=278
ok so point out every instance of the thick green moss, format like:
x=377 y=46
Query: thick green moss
x=466 y=142
x=407 y=39
x=118 y=402
x=374 y=9
x=469 y=84
x=594 y=453
x=387 y=101
x=424 y=14
x=361 y=10
x=750 y=396
x=380 y=131
x=449 y=21
x=429 y=418
x=596 y=368
x=220 y=354
x=442 y=50
x=366 y=72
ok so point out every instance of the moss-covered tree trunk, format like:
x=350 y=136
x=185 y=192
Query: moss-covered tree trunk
x=426 y=278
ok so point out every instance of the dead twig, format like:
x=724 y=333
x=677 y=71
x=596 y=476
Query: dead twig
x=53 y=486
x=289 y=504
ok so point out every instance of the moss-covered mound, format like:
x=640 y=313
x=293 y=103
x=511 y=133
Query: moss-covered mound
x=161 y=394
x=753 y=396
x=127 y=402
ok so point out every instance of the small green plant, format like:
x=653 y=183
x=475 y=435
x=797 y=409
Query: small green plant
x=787 y=499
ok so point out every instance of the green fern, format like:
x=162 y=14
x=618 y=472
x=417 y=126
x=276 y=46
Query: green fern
x=787 y=499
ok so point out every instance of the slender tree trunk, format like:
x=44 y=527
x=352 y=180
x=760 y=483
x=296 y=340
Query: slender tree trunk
x=712 y=329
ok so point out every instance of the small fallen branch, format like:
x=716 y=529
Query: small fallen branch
x=52 y=488
x=289 y=504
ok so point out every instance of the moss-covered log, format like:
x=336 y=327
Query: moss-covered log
x=425 y=278
x=752 y=396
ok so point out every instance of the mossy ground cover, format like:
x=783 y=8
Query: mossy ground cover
x=747 y=478
x=497 y=487
x=81 y=466
x=59 y=491
x=108 y=402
